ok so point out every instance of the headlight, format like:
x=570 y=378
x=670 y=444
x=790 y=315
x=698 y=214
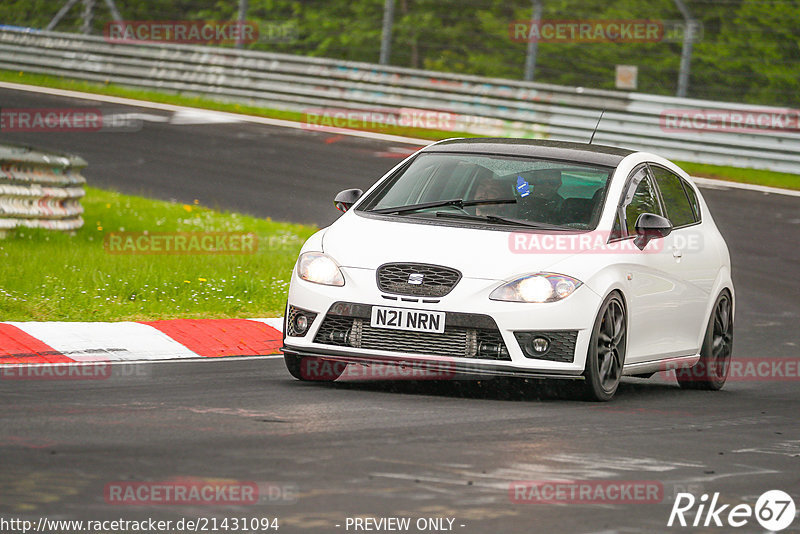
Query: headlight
x=319 y=268
x=543 y=287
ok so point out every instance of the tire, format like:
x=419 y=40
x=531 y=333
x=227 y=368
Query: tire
x=711 y=371
x=311 y=369
x=607 y=348
x=293 y=365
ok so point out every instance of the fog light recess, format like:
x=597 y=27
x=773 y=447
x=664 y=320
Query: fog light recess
x=301 y=323
x=298 y=321
x=540 y=345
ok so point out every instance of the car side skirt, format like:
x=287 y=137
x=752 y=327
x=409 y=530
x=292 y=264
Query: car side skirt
x=654 y=366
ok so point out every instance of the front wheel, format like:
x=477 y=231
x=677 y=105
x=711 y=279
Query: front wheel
x=711 y=371
x=607 y=349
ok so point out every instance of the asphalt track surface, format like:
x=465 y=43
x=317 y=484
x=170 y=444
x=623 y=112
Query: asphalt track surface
x=377 y=449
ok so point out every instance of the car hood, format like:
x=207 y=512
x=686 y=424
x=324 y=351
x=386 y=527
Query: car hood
x=365 y=242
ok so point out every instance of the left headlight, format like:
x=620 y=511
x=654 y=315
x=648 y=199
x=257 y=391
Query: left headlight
x=319 y=268
x=542 y=287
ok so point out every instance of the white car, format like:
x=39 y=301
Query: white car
x=520 y=258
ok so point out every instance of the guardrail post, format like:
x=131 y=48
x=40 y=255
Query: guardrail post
x=386 y=34
x=88 y=13
x=533 y=45
x=241 y=19
x=686 y=49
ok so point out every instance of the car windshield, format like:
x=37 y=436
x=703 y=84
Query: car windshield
x=496 y=190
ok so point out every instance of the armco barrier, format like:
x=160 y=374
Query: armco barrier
x=39 y=189
x=481 y=105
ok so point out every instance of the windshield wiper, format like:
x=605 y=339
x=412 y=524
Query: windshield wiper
x=503 y=220
x=457 y=202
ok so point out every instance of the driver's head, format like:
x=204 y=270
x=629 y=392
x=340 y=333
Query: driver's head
x=546 y=182
x=489 y=188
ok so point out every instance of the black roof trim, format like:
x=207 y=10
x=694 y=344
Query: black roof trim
x=540 y=148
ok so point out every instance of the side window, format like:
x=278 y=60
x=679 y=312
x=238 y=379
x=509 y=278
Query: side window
x=692 y=200
x=642 y=200
x=676 y=203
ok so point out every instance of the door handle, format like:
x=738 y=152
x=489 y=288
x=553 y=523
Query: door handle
x=677 y=253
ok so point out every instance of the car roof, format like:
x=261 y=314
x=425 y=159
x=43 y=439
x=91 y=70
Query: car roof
x=540 y=148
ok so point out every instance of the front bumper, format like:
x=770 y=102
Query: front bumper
x=469 y=314
x=429 y=364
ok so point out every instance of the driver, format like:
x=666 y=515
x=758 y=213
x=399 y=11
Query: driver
x=490 y=188
x=544 y=203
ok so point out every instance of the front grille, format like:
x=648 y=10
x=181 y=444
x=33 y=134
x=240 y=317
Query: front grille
x=456 y=341
x=436 y=281
x=562 y=345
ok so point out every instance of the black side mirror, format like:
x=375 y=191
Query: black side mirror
x=345 y=199
x=650 y=226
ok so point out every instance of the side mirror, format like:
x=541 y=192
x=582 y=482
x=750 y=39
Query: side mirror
x=650 y=226
x=345 y=199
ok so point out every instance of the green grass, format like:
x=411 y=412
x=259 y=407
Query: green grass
x=747 y=176
x=50 y=276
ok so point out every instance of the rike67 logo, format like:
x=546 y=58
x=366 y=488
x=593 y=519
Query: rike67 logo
x=774 y=510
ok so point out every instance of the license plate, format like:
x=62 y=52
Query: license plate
x=405 y=319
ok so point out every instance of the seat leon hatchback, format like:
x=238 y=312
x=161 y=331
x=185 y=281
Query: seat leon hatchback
x=518 y=258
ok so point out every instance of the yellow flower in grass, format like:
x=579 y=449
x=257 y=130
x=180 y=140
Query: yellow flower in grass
x=202 y=279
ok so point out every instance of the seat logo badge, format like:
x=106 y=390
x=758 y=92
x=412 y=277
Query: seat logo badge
x=415 y=279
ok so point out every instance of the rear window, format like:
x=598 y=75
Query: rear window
x=692 y=200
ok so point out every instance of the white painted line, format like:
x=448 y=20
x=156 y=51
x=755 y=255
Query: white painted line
x=724 y=184
x=201 y=116
x=106 y=341
x=223 y=116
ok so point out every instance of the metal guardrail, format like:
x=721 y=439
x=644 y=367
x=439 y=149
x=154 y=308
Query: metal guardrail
x=480 y=105
x=39 y=189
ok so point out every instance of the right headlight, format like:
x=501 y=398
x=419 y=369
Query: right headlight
x=319 y=268
x=542 y=287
